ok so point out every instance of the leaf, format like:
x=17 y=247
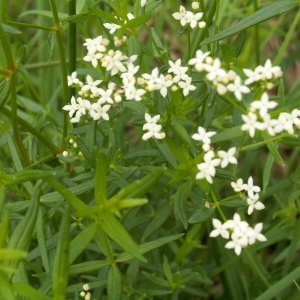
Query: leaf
x=267 y=170
x=19 y=51
x=61 y=261
x=85 y=267
x=9 y=29
x=146 y=247
x=201 y=215
x=6 y=291
x=44 y=13
x=159 y=218
x=105 y=15
x=114 y=284
x=138 y=21
x=114 y=229
x=100 y=179
x=75 y=19
x=238 y=44
x=86 y=152
x=267 y=12
x=29 y=292
x=273 y=147
x=4 y=91
x=180 y=202
x=12 y=254
x=227 y=134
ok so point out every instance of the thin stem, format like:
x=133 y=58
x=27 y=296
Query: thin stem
x=189 y=42
x=72 y=42
x=235 y=104
x=47 y=64
x=217 y=203
x=5 y=41
x=45 y=140
x=203 y=9
x=256 y=37
x=14 y=121
x=63 y=68
x=29 y=25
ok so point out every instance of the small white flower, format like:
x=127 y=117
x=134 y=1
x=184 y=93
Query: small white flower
x=105 y=96
x=250 y=123
x=263 y=105
x=227 y=157
x=143 y=3
x=207 y=169
x=251 y=188
x=186 y=86
x=220 y=229
x=93 y=58
x=203 y=136
x=97 y=111
x=198 y=61
x=253 y=76
x=237 y=243
x=195 y=5
x=181 y=15
x=255 y=234
x=162 y=84
x=91 y=85
x=154 y=129
x=112 y=27
x=254 y=204
x=238 y=186
x=237 y=88
x=74 y=80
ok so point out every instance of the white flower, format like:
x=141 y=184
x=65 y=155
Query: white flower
x=195 y=5
x=193 y=19
x=78 y=106
x=114 y=63
x=152 y=127
x=253 y=76
x=131 y=71
x=186 y=86
x=255 y=234
x=238 y=226
x=227 y=157
x=93 y=58
x=151 y=79
x=112 y=27
x=220 y=229
x=238 y=186
x=263 y=105
x=214 y=70
x=203 y=136
x=207 y=168
x=91 y=85
x=105 y=96
x=237 y=243
x=162 y=84
x=268 y=71
x=254 y=204
x=143 y=3
x=198 y=61
x=181 y=15
x=74 y=80
x=250 y=123
x=97 y=111
x=96 y=45
x=251 y=188
x=237 y=88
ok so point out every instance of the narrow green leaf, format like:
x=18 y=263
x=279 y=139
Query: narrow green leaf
x=267 y=12
x=238 y=44
x=227 y=134
x=19 y=51
x=68 y=195
x=280 y=285
x=81 y=241
x=75 y=19
x=201 y=215
x=44 y=13
x=4 y=91
x=162 y=146
x=12 y=254
x=167 y=269
x=118 y=234
x=267 y=170
x=105 y=15
x=4 y=226
x=29 y=292
x=61 y=262
x=103 y=243
x=138 y=21
x=182 y=132
x=85 y=267
x=114 y=284
x=273 y=147
x=180 y=202
x=6 y=291
x=100 y=179
x=159 y=218
x=9 y=29
x=86 y=152
x=139 y=187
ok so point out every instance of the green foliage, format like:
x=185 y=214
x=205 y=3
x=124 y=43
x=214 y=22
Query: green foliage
x=95 y=203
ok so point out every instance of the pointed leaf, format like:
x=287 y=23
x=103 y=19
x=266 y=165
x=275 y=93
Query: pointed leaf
x=114 y=284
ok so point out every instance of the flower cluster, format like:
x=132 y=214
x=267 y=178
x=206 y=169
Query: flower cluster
x=252 y=193
x=239 y=231
x=207 y=169
x=258 y=118
x=153 y=128
x=85 y=293
x=188 y=17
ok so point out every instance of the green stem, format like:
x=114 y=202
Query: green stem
x=45 y=140
x=63 y=68
x=3 y=10
x=14 y=121
x=216 y=25
x=72 y=42
x=235 y=104
x=203 y=9
x=3 y=72
x=217 y=203
x=287 y=40
x=189 y=42
x=29 y=25
x=52 y=63
x=275 y=138
x=5 y=42
x=256 y=37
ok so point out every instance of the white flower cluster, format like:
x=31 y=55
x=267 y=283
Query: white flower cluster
x=188 y=17
x=258 y=118
x=223 y=81
x=239 y=231
x=113 y=26
x=154 y=129
x=252 y=193
x=85 y=293
x=207 y=169
x=265 y=74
